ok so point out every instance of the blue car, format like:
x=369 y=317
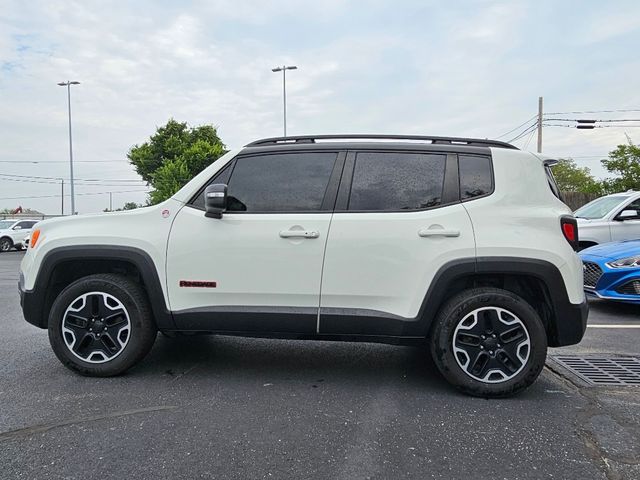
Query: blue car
x=612 y=271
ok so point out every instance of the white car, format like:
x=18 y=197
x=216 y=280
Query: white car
x=12 y=233
x=611 y=218
x=461 y=246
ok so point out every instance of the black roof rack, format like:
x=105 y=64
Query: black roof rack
x=472 y=142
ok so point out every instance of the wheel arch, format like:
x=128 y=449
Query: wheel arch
x=61 y=266
x=538 y=282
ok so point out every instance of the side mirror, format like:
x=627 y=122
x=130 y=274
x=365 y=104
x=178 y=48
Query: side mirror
x=17 y=227
x=215 y=200
x=628 y=215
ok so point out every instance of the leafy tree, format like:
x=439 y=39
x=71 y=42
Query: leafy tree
x=571 y=178
x=174 y=155
x=126 y=206
x=624 y=161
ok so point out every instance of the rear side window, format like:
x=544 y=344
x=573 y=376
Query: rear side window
x=396 y=181
x=476 y=179
x=285 y=182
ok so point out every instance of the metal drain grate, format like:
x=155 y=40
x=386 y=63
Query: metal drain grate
x=602 y=370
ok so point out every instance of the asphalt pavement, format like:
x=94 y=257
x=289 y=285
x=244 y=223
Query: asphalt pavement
x=223 y=407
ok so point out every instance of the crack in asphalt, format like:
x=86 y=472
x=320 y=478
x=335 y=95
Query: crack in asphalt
x=593 y=409
x=28 y=431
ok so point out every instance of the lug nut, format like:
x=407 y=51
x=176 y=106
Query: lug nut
x=105 y=329
x=490 y=351
x=493 y=336
x=481 y=347
x=482 y=337
x=91 y=329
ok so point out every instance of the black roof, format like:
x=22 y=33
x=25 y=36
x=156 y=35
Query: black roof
x=377 y=139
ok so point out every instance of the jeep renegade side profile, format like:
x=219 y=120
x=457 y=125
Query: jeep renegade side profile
x=459 y=244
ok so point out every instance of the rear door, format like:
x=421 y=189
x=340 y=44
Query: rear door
x=258 y=268
x=398 y=219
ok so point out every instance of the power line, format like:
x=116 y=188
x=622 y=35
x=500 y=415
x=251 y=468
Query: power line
x=591 y=127
x=527 y=130
x=68 y=195
x=522 y=124
x=29 y=162
x=599 y=121
x=594 y=111
x=52 y=182
x=75 y=179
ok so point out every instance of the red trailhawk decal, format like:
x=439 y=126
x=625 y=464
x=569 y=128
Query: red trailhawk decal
x=197 y=284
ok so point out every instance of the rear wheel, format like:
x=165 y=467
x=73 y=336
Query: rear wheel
x=101 y=325
x=5 y=244
x=489 y=342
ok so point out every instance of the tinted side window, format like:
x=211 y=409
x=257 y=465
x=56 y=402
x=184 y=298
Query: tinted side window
x=396 y=181
x=475 y=176
x=284 y=182
x=220 y=177
x=26 y=225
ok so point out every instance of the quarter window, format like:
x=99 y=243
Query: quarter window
x=396 y=181
x=286 y=182
x=475 y=176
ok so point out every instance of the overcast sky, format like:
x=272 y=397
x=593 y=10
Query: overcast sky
x=464 y=68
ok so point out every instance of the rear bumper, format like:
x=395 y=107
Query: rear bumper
x=570 y=325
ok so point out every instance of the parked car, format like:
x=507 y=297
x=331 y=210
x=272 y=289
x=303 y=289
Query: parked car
x=12 y=233
x=459 y=245
x=608 y=219
x=612 y=271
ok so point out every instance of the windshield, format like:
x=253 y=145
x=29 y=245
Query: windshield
x=599 y=207
x=6 y=224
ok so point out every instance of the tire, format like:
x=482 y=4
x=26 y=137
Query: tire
x=5 y=244
x=101 y=325
x=19 y=248
x=488 y=342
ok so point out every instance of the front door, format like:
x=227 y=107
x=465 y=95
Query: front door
x=628 y=229
x=258 y=268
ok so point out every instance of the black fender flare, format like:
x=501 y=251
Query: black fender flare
x=34 y=301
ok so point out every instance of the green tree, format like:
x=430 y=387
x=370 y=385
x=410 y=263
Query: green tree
x=624 y=162
x=174 y=155
x=571 y=178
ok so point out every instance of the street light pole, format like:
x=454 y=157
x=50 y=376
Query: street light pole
x=73 y=199
x=284 y=69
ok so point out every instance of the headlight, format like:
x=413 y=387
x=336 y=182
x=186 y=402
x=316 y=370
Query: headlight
x=625 y=262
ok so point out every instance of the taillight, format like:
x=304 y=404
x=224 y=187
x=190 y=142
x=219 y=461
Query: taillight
x=569 y=227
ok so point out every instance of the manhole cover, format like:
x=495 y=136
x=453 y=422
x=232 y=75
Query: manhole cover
x=602 y=370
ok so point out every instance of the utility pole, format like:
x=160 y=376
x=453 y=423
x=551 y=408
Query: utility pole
x=62 y=196
x=539 y=124
x=68 y=84
x=111 y=201
x=284 y=69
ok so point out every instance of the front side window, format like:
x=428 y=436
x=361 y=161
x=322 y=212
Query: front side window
x=283 y=182
x=396 y=181
x=475 y=176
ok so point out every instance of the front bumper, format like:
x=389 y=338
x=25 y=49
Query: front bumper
x=32 y=305
x=611 y=281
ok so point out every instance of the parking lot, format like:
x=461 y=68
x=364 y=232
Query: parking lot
x=222 y=407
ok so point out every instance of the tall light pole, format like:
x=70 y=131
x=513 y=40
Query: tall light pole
x=73 y=199
x=284 y=69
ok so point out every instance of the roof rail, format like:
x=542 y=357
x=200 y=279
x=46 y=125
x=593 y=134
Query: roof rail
x=475 y=142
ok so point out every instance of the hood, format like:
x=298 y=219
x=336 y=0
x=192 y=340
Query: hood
x=614 y=250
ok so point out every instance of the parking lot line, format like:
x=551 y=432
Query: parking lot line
x=635 y=325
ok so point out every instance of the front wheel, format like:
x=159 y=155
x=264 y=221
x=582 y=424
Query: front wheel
x=101 y=325
x=489 y=342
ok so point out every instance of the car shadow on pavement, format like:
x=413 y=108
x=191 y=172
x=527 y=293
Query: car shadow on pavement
x=254 y=358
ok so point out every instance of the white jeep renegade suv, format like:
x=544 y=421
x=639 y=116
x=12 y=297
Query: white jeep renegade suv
x=458 y=244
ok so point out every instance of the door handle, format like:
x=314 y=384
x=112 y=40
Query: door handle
x=299 y=234
x=438 y=232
